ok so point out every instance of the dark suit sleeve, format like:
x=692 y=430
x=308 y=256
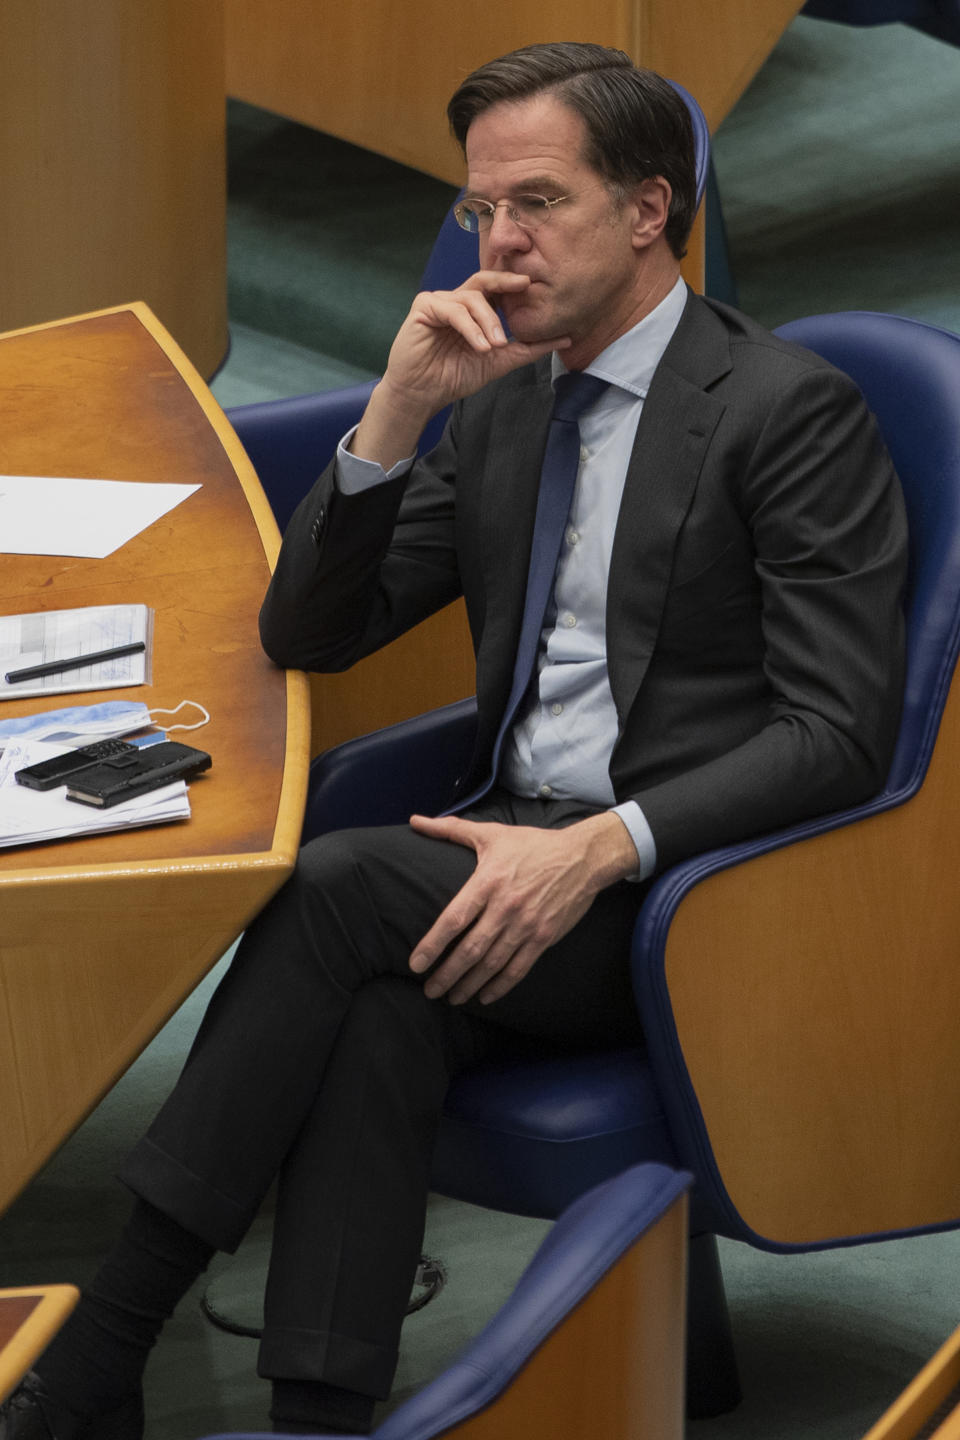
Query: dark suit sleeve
x=356 y=571
x=823 y=505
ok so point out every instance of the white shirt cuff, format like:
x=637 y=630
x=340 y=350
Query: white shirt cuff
x=354 y=475
x=642 y=837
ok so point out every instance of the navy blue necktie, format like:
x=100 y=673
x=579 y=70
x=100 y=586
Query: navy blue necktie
x=574 y=393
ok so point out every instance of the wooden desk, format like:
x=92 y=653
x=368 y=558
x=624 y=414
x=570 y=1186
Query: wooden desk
x=103 y=937
x=29 y=1319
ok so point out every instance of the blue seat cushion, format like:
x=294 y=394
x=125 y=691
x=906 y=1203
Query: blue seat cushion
x=530 y=1135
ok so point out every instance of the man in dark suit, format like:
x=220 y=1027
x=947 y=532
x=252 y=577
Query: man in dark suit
x=720 y=652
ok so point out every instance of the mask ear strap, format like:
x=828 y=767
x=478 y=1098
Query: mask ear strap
x=196 y=726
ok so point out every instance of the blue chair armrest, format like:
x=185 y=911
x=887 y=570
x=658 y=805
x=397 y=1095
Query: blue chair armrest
x=381 y=779
x=290 y=442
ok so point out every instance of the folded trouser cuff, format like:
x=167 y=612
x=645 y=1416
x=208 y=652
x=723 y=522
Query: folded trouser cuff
x=156 y=1177
x=294 y=1354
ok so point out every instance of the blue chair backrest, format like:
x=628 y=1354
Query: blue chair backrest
x=454 y=257
x=909 y=374
x=940 y=18
x=867 y=12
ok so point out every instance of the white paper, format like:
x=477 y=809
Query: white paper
x=48 y=635
x=54 y=515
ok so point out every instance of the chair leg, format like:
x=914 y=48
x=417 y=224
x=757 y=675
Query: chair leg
x=713 y=1384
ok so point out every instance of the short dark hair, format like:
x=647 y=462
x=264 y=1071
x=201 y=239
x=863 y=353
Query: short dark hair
x=638 y=126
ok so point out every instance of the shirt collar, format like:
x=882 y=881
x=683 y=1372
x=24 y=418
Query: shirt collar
x=630 y=361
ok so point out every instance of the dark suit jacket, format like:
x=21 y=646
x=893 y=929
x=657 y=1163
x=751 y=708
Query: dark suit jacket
x=754 y=627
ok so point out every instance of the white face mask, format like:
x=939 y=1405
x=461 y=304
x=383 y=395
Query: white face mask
x=77 y=724
x=81 y=724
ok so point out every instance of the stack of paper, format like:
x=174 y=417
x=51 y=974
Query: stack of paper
x=28 y=816
x=52 y=636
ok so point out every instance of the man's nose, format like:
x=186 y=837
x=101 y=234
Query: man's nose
x=504 y=234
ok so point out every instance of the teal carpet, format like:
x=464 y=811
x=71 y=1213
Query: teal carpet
x=839 y=174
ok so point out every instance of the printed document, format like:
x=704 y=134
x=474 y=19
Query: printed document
x=50 y=635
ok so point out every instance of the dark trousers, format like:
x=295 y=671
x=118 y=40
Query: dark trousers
x=320 y=1060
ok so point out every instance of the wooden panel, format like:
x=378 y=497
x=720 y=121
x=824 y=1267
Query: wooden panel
x=817 y=997
x=911 y=1411
x=112 y=164
x=615 y=1366
x=92 y=964
x=949 y=1429
x=350 y=70
x=714 y=50
x=430 y=666
x=29 y=1318
x=360 y=71
x=103 y=937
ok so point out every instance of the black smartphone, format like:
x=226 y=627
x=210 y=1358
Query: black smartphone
x=47 y=774
x=125 y=776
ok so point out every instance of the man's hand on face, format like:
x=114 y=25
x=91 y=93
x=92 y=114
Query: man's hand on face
x=529 y=889
x=450 y=345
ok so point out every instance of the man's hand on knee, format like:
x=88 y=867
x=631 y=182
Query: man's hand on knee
x=529 y=889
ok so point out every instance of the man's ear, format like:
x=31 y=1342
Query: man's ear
x=651 y=201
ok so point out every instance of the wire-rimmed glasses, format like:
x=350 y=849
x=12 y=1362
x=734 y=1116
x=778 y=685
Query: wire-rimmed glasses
x=528 y=211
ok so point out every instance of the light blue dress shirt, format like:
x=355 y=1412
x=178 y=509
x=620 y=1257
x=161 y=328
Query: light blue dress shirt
x=562 y=740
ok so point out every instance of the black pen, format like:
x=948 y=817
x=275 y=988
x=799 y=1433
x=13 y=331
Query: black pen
x=72 y=662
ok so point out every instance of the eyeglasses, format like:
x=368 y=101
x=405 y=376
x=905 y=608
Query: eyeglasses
x=527 y=211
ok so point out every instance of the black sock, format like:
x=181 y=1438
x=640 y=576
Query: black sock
x=97 y=1360
x=304 y=1407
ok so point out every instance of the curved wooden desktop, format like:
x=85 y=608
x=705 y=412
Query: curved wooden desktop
x=29 y=1319
x=103 y=937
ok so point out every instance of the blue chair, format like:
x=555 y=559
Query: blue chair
x=799 y=992
x=289 y=441
x=591 y=1339
x=939 y=18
